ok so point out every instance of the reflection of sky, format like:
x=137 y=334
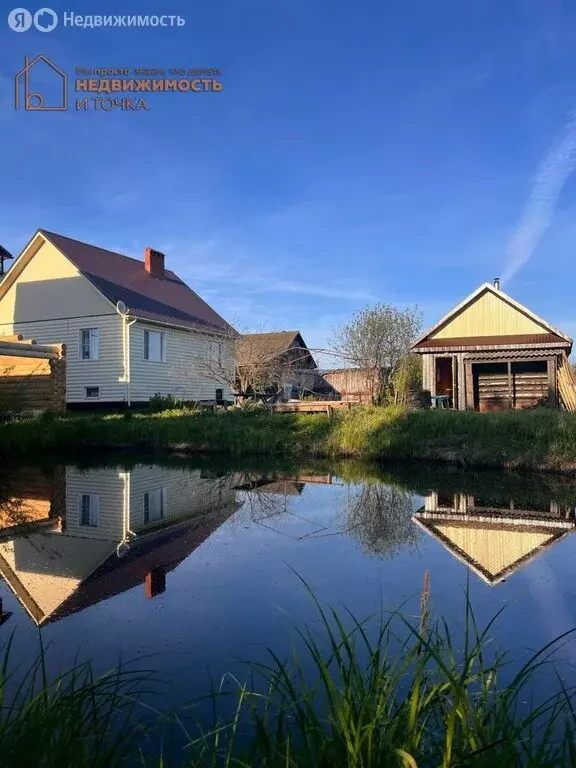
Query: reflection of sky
x=236 y=595
x=549 y=582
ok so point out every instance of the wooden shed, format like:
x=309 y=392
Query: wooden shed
x=491 y=353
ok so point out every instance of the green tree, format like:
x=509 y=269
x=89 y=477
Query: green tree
x=377 y=340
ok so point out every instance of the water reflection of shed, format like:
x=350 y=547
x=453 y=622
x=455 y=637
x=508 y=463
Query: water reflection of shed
x=494 y=540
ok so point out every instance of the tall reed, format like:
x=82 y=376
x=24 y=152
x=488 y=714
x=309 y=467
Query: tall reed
x=405 y=694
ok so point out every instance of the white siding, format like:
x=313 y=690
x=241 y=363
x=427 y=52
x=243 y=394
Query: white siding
x=107 y=372
x=186 y=494
x=109 y=485
x=184 y=373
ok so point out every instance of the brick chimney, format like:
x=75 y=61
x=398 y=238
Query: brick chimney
x=154 y=263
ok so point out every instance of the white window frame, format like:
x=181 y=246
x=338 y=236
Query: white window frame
x=146 y=504
x=93 y=510
x=93 y=344
x=91 y=397
x=146 y=347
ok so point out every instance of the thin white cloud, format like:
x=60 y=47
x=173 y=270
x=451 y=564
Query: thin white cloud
x=557 y=165
x=226 y=267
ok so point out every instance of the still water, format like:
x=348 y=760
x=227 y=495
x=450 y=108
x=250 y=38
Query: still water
x=193 y=567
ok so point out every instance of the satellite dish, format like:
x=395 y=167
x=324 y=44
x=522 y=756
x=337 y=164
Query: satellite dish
x=121 y=307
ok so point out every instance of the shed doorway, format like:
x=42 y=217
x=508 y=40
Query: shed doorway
x=445 y=378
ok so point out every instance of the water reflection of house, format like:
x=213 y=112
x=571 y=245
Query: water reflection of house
x=493 y=538
x=120 y=528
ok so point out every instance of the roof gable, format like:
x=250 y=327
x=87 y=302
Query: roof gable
x=489 y=312
x=260 y=347
x=492 y=550
x=43 y=282
x=121 y=278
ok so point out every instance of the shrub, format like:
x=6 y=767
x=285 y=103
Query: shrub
x=159 y=403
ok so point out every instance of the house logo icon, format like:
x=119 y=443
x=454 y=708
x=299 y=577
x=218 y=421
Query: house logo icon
x=41 y=86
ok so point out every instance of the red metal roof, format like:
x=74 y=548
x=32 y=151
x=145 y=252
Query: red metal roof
x=532 y=339
x=121 y=278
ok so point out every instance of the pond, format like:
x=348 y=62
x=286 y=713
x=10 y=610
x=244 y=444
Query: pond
x=192 y=567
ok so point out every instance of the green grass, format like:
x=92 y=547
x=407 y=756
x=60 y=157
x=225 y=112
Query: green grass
x=76 y=719
x=403 y=694
x=537 y=440
x=387 y=691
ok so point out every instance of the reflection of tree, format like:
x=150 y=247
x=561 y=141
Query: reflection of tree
x=379 y=517
x=261 y=506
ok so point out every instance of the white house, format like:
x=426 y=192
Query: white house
x=132 y=328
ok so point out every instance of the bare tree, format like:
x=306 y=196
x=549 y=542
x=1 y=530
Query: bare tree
x=262 y=371
x=248 y=367
x=377 y=340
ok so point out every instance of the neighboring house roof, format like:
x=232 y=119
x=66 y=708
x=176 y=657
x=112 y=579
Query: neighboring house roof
x=4 y=254
x=267 y=346
x=121 y=278
x=548 y=330
x=284 y=488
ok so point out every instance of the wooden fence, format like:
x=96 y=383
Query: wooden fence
x=32 y=376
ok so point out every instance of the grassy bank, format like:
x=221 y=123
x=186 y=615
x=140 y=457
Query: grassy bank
x=391 y=691
x=535 y=440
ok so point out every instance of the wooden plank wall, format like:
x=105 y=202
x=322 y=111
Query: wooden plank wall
x=525 y=389
x=352 y=384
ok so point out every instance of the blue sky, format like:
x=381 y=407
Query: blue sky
x=360 y=152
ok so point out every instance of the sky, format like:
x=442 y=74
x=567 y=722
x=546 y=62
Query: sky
x=399 y=152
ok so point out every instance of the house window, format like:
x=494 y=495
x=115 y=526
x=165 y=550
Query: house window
x=92 y=392
x=89 y=343
x=90 y=510
x=214 y=353
x=219 y=396
x=154 y=505
x=154 y=346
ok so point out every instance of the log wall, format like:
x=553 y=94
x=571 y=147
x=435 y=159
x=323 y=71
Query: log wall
x=32 y=377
